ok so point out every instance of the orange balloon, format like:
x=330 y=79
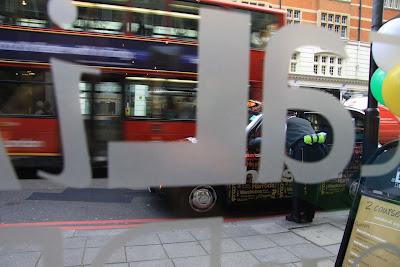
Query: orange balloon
x=391 y=90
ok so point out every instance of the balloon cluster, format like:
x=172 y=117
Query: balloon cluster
x=385 y=82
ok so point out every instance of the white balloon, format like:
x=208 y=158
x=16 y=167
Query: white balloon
x=385 y=55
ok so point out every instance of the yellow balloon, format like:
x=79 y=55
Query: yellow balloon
x=391 y=90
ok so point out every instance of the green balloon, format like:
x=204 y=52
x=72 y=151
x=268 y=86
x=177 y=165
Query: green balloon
x=376 y=85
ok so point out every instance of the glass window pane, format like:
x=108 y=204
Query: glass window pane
x=343 y=32
x=315 y=69
x=161 y=100
x=297 y=14
x=26 y=99
x=293 y=67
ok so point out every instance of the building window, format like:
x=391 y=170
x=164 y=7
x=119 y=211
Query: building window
x=343 y=33
x=292 y=67
x=293 y=16
x=331 y=70
x=293 y=62
x=323 y=70
x=289 y=13
x=395 y=4
x=297 y=14
x=327 y=65
x=335 y=22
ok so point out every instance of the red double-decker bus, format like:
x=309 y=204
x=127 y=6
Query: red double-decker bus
x=147 y=52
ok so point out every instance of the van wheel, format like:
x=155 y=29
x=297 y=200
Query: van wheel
x=201 y=200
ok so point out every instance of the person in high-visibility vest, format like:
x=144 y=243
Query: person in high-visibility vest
x=303 y=144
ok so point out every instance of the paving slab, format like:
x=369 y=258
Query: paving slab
x=275 y=255
x=322 y=263
x=200 y=261
x=308 y=251
x=227 y=245
x=142 y=240
x=112 y=265
x=69 y=233
x=175 y=236
x=291 y=225
x=156 y=263
x=287 y=238
x=203 y=234
x=269 y=228
x=73 y=256
x=117 y=257
x=334 y=249
x=74 y=242
x=254 y=242
x=238 y=259
x=187 y=249
x=322 y=235
x=6 y=249
x=26 y=259
x=231 y=230
x=97 y=241
x=108 y=232
x=143 y=253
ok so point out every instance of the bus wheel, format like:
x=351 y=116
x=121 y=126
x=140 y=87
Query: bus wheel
x=202 y=198
x=197 y=201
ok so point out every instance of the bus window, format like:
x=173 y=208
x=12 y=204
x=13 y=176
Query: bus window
x=262 y=27
x=159 y=19
x=160 y=101
x=25 y=93
x=107 y=99
x=84 y=97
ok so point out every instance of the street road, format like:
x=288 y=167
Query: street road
x=42 y=201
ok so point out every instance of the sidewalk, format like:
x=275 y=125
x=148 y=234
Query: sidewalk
x=245 y=243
